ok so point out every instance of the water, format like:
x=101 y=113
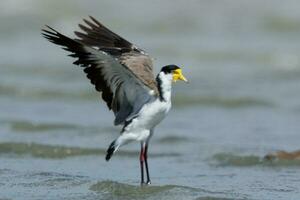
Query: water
x=242 y=60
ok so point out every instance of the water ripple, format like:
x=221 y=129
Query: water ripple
x=27 y=126
x=173 y=139
x=115 y=190
x=61 y=152
x=231 y=159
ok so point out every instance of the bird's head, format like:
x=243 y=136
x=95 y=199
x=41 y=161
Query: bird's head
x=175 y=71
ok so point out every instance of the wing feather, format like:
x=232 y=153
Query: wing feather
x=138 y=61
x=122 y=90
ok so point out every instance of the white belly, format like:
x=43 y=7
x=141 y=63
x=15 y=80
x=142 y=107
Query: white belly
x=150 y=115
x=153 y=113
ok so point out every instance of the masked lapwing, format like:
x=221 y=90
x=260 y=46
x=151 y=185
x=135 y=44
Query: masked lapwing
x=123 y=73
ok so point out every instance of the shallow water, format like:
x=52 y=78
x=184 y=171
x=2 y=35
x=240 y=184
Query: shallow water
x=243 y=63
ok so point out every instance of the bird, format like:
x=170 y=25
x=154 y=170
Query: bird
x=123 y=74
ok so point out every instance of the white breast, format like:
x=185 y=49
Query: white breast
x=153 y=113
x=150 y=115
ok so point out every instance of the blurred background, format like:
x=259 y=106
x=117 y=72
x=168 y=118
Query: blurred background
x=243 y=101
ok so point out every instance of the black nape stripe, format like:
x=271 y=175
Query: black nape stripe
x=159 y=86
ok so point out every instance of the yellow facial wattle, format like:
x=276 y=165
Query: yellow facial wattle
x=177 y=75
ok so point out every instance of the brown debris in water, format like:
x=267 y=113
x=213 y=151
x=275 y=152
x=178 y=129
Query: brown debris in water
x=283 y=155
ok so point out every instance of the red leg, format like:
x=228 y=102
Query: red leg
x=146 y=163
x=142 y=159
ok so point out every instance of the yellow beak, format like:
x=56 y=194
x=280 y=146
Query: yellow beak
x=177 y=75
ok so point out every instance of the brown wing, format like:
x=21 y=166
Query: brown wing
x=98 y=36
x=141 y=66
x=122 y=90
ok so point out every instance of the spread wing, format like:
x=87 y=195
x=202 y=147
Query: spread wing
x=116 y=68
x=98 y=36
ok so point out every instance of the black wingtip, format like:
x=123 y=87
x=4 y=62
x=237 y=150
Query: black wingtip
x=49 y=33
x=110 y=151
x=95 y=21
x=49 y=29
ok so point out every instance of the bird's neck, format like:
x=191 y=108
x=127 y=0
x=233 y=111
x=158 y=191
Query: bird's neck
x=164 y=84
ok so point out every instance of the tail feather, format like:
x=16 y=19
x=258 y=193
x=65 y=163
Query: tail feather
x=114 y=146
x=110 y=151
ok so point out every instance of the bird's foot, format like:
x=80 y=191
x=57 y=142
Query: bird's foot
x=145 y=183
